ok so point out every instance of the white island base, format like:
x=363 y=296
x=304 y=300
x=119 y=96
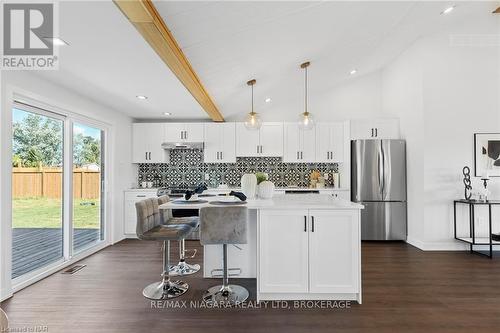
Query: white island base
x=300 y=247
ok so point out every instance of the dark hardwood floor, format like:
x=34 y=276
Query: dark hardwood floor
x=404 y=290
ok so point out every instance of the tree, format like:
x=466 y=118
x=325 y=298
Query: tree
x=38 y=141
x=86 y=150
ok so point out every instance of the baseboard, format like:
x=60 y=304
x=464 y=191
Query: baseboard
x=452 y=245
x=4 y=295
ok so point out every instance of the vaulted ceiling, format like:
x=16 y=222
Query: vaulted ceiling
x=228 y=43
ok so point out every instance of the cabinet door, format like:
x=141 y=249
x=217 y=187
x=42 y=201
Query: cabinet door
x=292 y=143
x=174 y=132
x=228 y=144
x=247 y=141
x=271 y=139
x=212 y=139
x=308 y=146
x=334 y=252
x=386 y=128
x=337 y=142
x=130 y=215
x=154 y=134
x=139 y=143
x=283 y=251
x=193 y=132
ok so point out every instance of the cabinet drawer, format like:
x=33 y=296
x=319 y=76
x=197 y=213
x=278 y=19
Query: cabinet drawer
x=139 y=195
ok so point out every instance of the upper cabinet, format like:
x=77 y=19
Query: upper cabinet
x=184 y=132
x=330 y=142
x=266 y=141
x=299 y=144
x=375 y=129
x=220 y=146
x=146 y=143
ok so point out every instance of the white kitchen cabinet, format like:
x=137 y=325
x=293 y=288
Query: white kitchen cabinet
x=299 y=144
x=322 y=245
x=266 y=141
x=184 y=132
x=375 y=129
x=334 y=252
x=130 y=215
x=220 y=146
x=283 y=251
x=330 y=142
x=146 y=143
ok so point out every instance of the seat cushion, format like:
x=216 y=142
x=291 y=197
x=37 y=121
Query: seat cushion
x=168 y=232
x=192 y=221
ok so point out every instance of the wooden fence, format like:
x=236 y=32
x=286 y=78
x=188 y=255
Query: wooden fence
x=47 y=182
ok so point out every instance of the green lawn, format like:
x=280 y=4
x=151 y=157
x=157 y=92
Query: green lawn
x=46 y=213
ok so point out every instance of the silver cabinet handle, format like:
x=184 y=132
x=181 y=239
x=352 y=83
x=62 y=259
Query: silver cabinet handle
x=146 y=156
x=376 y=132
x=217 y=156
x=150 y=156
x=221 y=155
x=297 y=155
x=312 y=223
x=140 y=196
x=261 y=149
x=305 y=223
x=301 y=155
x=185 y=135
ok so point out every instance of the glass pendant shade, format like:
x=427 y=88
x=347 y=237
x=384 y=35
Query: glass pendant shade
x=306 y=121
x=253 y=121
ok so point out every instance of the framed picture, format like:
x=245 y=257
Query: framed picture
x=487 y=154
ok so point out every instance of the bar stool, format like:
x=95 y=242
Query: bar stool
x=224 y=225
x=182 y=267
x=149 y=227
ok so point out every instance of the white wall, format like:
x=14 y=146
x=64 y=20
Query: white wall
x=119 y=142
x=443 y=93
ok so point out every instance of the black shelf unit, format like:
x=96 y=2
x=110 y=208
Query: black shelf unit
x=472 y=239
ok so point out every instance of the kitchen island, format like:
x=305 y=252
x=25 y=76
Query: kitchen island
x=300 y=247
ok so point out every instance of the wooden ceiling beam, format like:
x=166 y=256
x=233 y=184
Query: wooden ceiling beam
x=146 y=19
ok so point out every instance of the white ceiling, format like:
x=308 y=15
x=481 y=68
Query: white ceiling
x=229 y=43
x=109 y=62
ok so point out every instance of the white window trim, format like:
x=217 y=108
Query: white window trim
x=14 y=93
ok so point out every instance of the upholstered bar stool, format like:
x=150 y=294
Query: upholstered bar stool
x=224 y=225
x=182 y=267
x=149 y=227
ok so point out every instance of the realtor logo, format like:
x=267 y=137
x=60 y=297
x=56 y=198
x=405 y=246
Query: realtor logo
x=28 y=29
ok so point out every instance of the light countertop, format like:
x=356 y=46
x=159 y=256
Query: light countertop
x=280 y=201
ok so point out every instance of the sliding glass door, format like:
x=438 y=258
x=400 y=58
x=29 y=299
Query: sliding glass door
x=37 y=189
x=88 y=176
x=57 y=211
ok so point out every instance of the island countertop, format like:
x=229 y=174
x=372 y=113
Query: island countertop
x=280 y=201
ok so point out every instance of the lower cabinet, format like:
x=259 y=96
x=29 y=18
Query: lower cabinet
x=129 y=214
x=309 y=252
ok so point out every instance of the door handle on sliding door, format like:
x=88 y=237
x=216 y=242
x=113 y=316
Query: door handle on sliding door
x=305 y=223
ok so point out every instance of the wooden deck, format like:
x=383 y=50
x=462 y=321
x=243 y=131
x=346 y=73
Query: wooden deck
x=33 y=248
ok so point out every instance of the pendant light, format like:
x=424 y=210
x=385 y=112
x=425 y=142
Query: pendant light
x=252 y=120
x=306 y=120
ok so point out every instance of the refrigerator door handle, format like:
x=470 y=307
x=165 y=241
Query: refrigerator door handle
x=383 y=153
x=380 y=170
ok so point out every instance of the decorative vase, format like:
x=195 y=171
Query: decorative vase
x=249 y=185
x=266 y=189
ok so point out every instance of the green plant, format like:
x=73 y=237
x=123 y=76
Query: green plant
x=261 y=176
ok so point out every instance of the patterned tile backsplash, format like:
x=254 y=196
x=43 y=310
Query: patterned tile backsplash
x=187 y=169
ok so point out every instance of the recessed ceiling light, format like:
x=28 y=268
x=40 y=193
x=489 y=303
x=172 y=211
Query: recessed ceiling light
x=167 y=114
x=353 y=71
x=142 y=97
x=56 y=41
x=268 y=100
x=448 y=10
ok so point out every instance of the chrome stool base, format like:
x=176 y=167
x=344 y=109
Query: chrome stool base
x=230 y=295
x=183 y=268
x=165 y=290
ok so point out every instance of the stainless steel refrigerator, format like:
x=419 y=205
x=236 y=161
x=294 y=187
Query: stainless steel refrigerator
x=378 y=181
